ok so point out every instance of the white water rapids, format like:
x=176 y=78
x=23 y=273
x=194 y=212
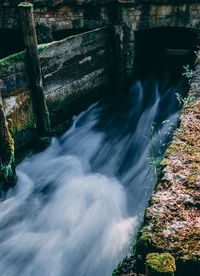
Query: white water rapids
x=75 y=206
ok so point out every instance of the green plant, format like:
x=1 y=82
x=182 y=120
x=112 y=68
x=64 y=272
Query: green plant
x=117 y=271
x=155 y=148
x=157 y=144
x=188 y=72
x=184 y=100
x=136 y=230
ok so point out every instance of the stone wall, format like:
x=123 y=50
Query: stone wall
x=54 y=3
x=172 y=221
x=53 y=16
x=74 y=68
x=81 y=15
x=136 y=16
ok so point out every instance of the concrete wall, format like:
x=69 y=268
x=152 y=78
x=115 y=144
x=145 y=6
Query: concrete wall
x=74 y=68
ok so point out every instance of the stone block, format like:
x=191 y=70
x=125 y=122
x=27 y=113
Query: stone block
x=160 y=264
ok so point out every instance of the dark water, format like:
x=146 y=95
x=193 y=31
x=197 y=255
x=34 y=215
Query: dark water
x=76 y=205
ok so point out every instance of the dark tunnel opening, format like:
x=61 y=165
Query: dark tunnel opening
x=165 y=49
x=61 y=34
x=11 y=42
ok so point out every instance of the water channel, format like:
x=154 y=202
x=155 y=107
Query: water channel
x=76 y=206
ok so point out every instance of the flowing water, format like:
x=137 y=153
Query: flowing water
x=75 y=208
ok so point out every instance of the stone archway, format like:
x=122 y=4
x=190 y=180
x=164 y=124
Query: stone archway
x=165 y=46
x=135 y=16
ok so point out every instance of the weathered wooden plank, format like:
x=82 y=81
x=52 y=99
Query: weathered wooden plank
x=34 y=70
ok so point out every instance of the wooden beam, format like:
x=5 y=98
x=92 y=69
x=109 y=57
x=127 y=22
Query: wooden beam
x=34 y=70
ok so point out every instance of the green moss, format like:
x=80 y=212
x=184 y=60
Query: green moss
x=172 y=148
x=160 y=264
x=118 y=270
x=43 y=47
x=196 y=168
x=127 y=265
x=181 y=244
x=192 y=179
x=8 y=175
x=29 y=123
x=21 y=116
x=143 y=244
x=165 y=162
x=7 y=167
x=70 y=37
x=7 y=146
x=8 y=61
x=181 y=147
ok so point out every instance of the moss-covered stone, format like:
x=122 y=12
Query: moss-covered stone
x=171 y=221
x=165 y=162
x=20 y=116
x=160 y=264
x=117 y=271
x=126 y=267
x=7 y=160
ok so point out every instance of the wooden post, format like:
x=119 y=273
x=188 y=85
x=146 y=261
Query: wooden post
x=34 y=70
x=7 y=160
